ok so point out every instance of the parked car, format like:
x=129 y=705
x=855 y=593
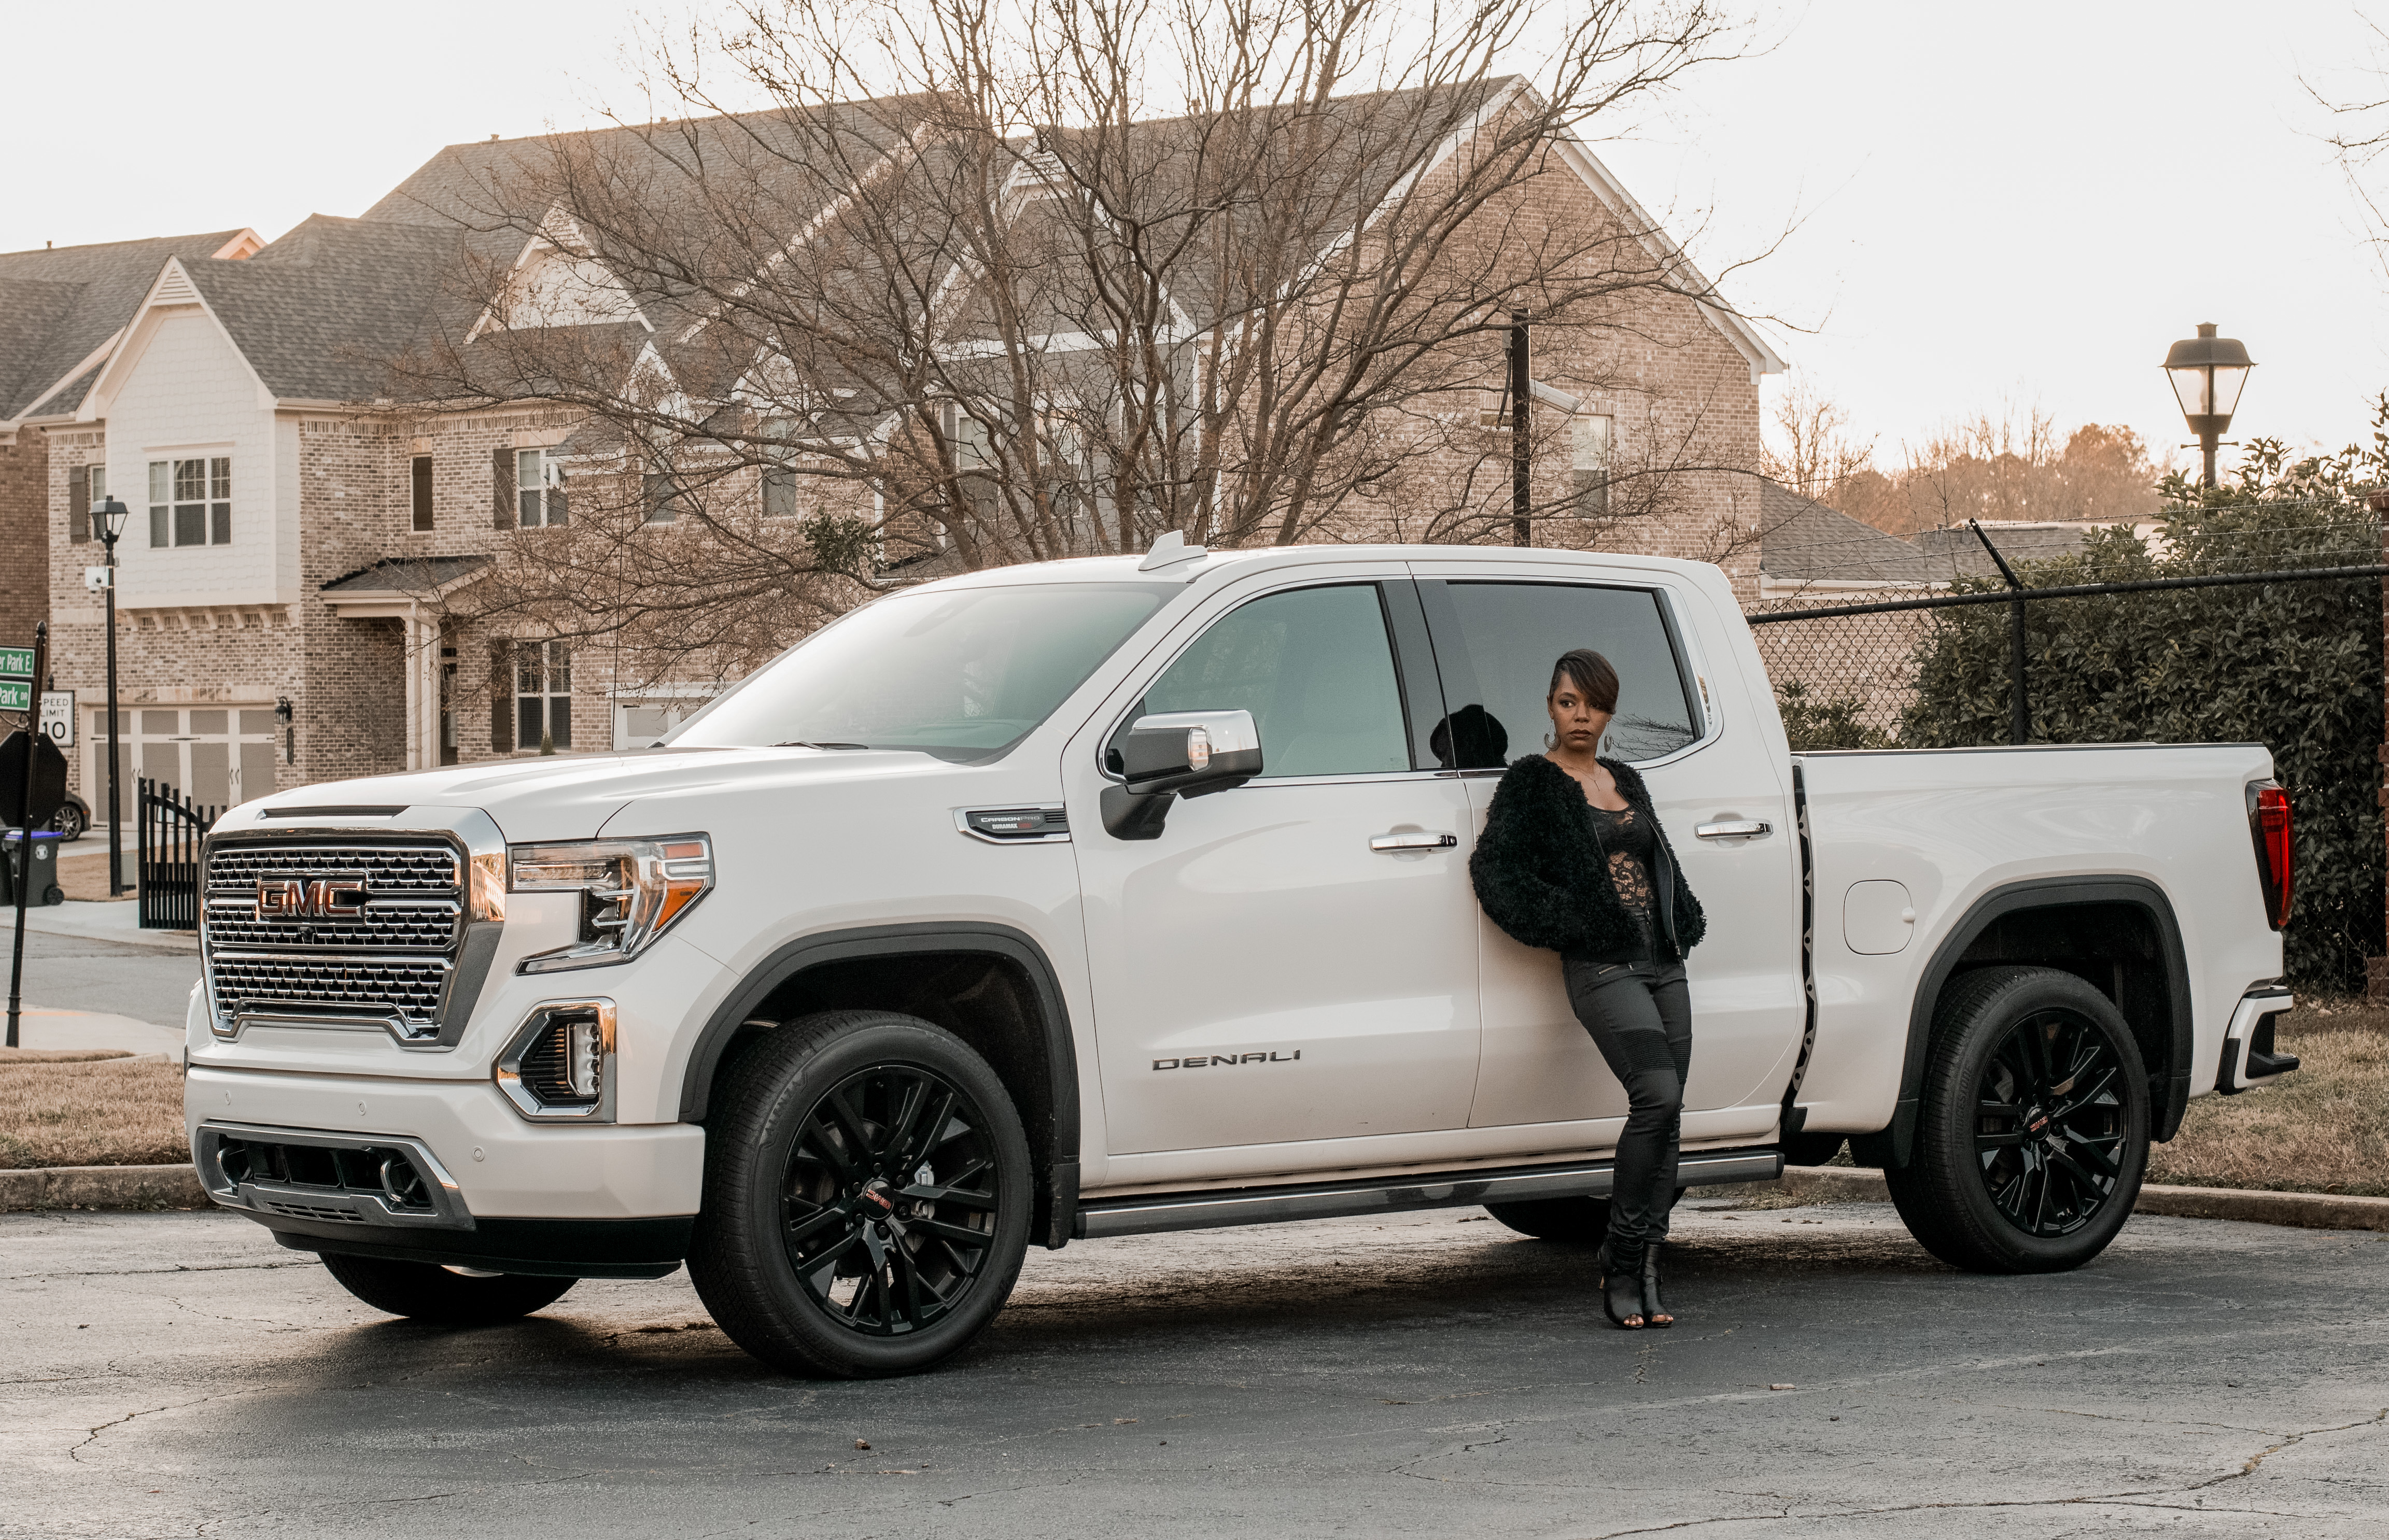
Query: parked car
x=1081 y=899
x=71 y=819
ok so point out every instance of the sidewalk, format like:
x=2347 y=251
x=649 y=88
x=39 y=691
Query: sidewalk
x=46 y=1026
x=102 y=922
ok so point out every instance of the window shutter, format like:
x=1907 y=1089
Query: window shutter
x=502 y=694
x=502 y=488
x=79 y=505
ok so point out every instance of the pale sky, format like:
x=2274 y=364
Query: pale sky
x=2029 y=200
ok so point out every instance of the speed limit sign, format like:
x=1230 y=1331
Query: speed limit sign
x=58 y=716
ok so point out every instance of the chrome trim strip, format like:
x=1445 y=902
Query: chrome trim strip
x=508 y=1072
x=1152 y=1213
x=207 y=1153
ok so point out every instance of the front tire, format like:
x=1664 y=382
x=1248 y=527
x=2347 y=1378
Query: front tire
x=867 y=1197
x=1570 y=1221
x=442 y=1297
x=2033 y=1135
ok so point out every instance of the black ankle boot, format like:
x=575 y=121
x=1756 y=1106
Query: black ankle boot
x=1621 y=1283
x=1653 y=1313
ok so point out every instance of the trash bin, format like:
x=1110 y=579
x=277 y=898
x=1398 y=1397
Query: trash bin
x=44 y=886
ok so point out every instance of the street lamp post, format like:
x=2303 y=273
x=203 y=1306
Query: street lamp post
x=2207 y=371
x=108 y=517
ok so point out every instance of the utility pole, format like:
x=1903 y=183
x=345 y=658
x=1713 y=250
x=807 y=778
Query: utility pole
x=1522 y=393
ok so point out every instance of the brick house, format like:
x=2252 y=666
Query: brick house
x=300 y=540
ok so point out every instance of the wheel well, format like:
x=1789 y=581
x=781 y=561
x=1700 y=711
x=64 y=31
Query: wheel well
x=2115 y=947
x=988 y=1001
x=2117 y=934
x=989 y=984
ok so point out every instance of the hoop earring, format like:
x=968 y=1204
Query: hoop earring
x=1551 y=741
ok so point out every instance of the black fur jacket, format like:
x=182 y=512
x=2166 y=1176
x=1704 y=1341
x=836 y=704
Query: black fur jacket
x=1542 y=876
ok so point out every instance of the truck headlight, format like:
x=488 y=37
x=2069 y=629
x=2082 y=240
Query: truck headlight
x=631 y=891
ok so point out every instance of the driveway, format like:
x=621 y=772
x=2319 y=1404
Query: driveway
x=179 y=1374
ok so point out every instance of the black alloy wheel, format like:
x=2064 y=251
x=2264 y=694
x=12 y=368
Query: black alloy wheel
x=888 y=1199
x=2033 y=1135
x=2051 y=1123
x=867 y=1196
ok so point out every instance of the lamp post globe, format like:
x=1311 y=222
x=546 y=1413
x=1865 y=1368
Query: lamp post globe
x=2207 y=371
x=108 y=517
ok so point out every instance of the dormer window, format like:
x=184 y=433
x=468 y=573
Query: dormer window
x=191 y=502
x=539 y=488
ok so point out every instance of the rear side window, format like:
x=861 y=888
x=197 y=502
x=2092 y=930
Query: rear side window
x=1315 y=668
x=1495 y=644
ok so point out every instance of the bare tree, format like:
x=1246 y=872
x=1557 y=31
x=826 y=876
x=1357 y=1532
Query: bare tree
x=1814 y=449
x=988 y=281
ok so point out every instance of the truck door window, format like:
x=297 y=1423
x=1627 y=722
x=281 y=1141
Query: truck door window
x=1315 y=668
x=1495 y=644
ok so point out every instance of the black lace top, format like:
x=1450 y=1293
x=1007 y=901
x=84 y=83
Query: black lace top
x=1627 y=840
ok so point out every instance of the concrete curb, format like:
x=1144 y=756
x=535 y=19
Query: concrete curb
x=82 y=920
x=108 y=1187
x=2302 y=1210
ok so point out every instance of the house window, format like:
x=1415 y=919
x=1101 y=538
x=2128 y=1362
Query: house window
x=191 y=502
x=779 y=492
x=1589 y=438
x=543 y=696
x=539 y=488
x=420 y=487
x=662 y=501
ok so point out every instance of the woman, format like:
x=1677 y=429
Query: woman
x=1573 y=858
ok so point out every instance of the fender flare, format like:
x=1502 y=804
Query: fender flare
x=934 y=938
x=2169 y=1083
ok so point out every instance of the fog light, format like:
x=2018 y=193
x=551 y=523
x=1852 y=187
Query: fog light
x=560 y=1062
x=584 y=1057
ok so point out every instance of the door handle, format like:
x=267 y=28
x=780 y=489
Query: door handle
x=1744 y=828
x=1415 y=840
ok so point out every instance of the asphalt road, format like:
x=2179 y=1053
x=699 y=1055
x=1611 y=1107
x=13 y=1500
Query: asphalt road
x=148 y=984
x=179 y=1375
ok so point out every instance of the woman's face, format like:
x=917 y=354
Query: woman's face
x=1576 y=725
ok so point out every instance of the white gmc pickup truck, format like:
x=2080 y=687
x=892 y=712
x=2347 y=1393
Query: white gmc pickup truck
x=1100 y=897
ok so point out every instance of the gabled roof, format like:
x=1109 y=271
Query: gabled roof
x=60 y=308
x=412 y=577
x=1804 y=542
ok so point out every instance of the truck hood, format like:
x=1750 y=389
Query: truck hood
x=573 y=797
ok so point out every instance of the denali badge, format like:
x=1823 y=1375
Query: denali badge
x=1200 y=1061
x=324 y=898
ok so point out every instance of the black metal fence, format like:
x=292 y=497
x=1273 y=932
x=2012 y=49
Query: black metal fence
x=168 y=830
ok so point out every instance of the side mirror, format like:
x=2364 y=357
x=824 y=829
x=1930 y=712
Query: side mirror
x=1177 y=753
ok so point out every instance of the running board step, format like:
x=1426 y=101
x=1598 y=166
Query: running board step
x=1149 y=1213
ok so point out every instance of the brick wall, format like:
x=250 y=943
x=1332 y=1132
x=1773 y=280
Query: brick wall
x=24 y=536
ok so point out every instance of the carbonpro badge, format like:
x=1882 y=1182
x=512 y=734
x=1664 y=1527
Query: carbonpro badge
x=1204 y=1060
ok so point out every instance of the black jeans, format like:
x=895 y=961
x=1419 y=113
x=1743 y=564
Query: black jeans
x=1641 y=1017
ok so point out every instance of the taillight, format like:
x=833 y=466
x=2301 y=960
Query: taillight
x=2268 y=822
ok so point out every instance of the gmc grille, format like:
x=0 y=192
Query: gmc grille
x=334 y=929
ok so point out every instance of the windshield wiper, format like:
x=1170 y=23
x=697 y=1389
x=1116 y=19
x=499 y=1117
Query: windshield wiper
x=802 y=743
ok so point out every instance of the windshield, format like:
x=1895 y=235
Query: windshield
x=963 y=674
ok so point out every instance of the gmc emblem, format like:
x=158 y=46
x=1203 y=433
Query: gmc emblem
x=324 y=898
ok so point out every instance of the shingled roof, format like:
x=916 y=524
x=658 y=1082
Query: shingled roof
x=1804 y=542
x=59 y=307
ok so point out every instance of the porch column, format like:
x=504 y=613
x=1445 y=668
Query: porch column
x=422 y=634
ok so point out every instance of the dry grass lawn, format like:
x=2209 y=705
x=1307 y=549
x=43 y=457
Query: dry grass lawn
x=2323 y=1128
x=120 y=1111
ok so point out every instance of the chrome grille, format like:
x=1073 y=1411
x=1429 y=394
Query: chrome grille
x=416 y=926
x=387 y=868
x=407 y=987
x=383 y=947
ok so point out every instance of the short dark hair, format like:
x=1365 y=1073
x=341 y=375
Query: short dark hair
x=1590 y=673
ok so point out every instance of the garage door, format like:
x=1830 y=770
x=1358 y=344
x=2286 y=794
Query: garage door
x=216 y=755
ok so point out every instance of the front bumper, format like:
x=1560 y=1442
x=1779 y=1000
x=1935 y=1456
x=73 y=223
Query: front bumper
x=494 y=1192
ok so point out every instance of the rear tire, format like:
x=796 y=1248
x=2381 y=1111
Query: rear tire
x=1570 y=1221
x=867 y=1197
x=424 y=1293
x=2033 y=1135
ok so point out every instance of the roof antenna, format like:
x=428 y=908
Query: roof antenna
x=1168 y=551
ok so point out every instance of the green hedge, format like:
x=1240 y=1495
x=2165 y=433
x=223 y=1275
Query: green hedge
x=2294 y=665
